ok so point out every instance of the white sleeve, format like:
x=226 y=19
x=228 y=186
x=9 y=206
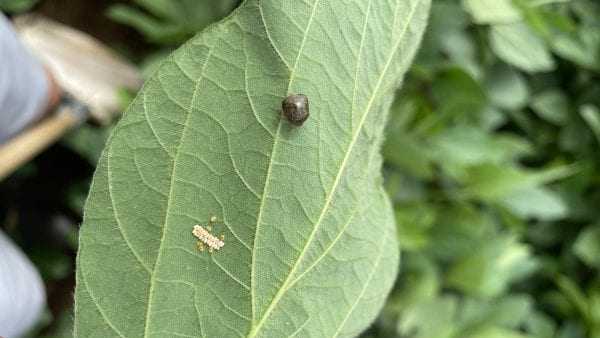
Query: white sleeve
x=23 y=84
x=22 y=294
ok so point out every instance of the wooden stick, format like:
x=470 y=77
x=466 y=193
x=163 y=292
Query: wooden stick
x=31 y=142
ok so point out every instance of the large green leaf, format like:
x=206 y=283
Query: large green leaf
x=310 y=246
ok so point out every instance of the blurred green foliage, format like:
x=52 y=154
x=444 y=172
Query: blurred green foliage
x=16 y=6
x=492 y=160
x=169 y=23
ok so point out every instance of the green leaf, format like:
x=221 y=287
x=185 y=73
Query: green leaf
x=488 y=270
x=497 y=332
x=447 y=18
x=591 y=115
x=195 y=12
x=551 y=105
x=462 y=51
x=491 y=118
x=420 y=282
x=170 y=21
x=430 y=319
x=406 y=153
x=88 y=141
x=152 y=28
x=594 y=302
x=517 y=45
x=574 y=294
x=465 y=146
x=581 y=48
x=492 y=11
x=571 y=329
x=401 y=149
x=536 y=202
x=458 y=230
x=540 y=325
x=493 y=182
x=16 y=6
x=510 y=311
x=507 y=88
x=310 y=246
x=587 y=246
x=458 y=95
x=166 y=9
x=414 y=222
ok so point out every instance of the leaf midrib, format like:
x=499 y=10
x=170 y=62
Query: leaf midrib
x=255 y=329
x=274 y=148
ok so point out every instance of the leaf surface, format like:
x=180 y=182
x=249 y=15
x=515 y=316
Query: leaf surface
x=517 y=45
x=310 y=245
x=492 y=11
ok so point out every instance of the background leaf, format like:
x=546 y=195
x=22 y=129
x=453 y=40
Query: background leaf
x=492 y=11
x=552 y=106
x=310 y=239
x=16 y=6
x=507 y=88
x=170 y=21
x=587 y=246
x=517 y=44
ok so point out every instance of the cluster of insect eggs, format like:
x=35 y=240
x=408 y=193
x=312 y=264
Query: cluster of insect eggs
x=208 y=239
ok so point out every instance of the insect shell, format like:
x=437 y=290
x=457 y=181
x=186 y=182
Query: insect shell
x=295 y=108
x=206 y=238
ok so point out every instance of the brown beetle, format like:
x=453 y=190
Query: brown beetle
x=295 y=108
